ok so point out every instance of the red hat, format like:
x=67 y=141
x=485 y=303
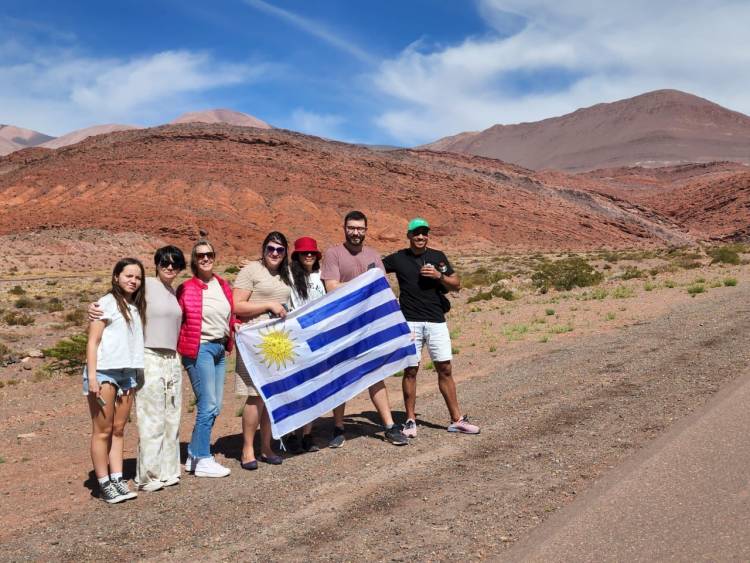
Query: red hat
x=306 y=244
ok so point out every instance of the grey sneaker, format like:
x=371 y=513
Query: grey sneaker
x=395 y=435
x=123 y=489
x=109 y=493
x=338 y=438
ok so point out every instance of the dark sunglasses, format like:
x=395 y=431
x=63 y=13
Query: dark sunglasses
x=308 y=253
x=421 y=231
x=164 y=264
x=202 y=255
x=278 y=250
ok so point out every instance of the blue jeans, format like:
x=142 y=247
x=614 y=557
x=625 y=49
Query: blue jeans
x=206 y=372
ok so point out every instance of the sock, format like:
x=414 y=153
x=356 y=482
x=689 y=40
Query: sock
x=389 y=426
x=116 y=476
x=338 y=431
x=103 y=480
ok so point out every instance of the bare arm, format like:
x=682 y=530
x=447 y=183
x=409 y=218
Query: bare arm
x=252 y=309
x=331 y=285
x=96 y=328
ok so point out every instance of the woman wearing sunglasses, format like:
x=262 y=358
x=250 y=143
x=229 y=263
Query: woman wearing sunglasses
x=307 y=286
x=159 y=396
x=261 y=291
x=205 y=339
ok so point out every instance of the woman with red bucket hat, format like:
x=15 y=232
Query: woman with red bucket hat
x=306 y=287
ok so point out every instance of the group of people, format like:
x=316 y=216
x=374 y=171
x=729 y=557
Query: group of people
x=144 y=331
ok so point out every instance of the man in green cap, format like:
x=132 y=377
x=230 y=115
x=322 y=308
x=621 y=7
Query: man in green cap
x=424 y=277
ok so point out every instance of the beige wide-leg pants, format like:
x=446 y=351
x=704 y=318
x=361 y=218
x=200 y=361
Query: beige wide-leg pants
x=158 y=405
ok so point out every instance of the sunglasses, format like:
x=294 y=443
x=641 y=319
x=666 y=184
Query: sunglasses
x=278 y=250
x=165 y=265
x=208 y=255
x=421 y=231
x=308 y=253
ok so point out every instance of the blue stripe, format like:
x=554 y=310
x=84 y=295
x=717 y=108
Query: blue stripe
x=325 y=338
x=363 y=293
x=330 y=362
x=329 y=389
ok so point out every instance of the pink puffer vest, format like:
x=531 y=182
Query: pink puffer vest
x=190 y=298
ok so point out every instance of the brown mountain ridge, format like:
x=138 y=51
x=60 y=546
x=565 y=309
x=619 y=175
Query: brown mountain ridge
x=660 y=128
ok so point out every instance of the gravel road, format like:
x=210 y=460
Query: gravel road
x=552 y=423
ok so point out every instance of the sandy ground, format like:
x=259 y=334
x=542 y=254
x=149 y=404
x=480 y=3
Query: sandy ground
x=560 y=403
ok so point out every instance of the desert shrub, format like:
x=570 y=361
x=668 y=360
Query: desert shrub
x=648 y=286
x=695 y=289
x=631 y=272
x=76 y=316
x=14 y=318
x=53 y=305
x=598 y=293
x=610 y=316
x=560 y=329
x=723 y=255
x=231 y=269
x=496 y=291
x=515 y=332
x=4 y=350
x=566 y=274
x=23 y=303
x=669 y=283
x=51 y=282
x=623 y=292
x=730 y=282
x=482 y=277
x=549 y=312
x=16 y=290
x=69 y=354
x=687 y=262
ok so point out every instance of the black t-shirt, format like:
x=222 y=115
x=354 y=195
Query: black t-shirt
x=419 y=296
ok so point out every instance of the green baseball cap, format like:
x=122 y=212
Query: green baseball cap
x=416 y=223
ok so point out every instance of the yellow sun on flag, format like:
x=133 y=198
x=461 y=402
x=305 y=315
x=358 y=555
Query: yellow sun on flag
x=277 y=348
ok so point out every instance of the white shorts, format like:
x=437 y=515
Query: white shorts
x=437 y=338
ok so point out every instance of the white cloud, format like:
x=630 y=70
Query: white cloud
x=320 y=124
x=56 y=91
x=313 y=28
x=605 y=51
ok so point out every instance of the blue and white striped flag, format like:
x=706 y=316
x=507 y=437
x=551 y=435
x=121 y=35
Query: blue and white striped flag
x=327 y=351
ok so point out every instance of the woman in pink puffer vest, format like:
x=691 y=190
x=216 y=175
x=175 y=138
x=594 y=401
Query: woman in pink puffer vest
x=205 y=340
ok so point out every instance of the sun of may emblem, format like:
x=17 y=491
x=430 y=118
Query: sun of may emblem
x=276 y=348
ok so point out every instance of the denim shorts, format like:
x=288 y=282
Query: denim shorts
x=123 y=379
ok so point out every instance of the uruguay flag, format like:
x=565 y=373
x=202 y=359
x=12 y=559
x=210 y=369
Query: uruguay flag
x=327 y=351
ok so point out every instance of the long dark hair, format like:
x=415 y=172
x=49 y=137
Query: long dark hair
x=277 y=237
x=299 y=275
x=139 y=297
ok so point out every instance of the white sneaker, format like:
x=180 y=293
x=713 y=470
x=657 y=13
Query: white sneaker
x=208 y=467
x=189 y=464
x=151 y=486
x=171 y=481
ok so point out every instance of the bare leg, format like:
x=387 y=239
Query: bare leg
x=409 y=387
x=101 y=429
x=338 y=415
x=448 y=388
x=250 y=419
x=265 y=432
x=379 y=397
x=122 y=412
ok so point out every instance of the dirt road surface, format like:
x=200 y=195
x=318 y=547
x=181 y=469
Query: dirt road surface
x=553 y=423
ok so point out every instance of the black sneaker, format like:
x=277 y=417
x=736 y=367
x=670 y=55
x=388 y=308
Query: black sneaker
x=395 y=435
x=338 y=438
x=308 y=445
x=123 y=489
x=109 y=493
x=292 y=444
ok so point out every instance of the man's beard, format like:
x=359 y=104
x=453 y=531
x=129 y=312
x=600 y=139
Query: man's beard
x=355 y=240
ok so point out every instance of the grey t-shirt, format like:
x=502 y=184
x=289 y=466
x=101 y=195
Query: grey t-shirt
x=163 y=316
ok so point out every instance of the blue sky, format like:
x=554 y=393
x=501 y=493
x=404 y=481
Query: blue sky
x=390 y=72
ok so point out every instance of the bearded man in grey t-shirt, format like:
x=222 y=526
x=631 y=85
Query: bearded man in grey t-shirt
x=341 y=264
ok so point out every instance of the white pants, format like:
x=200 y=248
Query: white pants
x=158 y=404
x=435 y=336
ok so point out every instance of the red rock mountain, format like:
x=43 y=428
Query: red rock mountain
x=660 y=128
x=228 y=116
x=238 y=183
x=14 y=138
